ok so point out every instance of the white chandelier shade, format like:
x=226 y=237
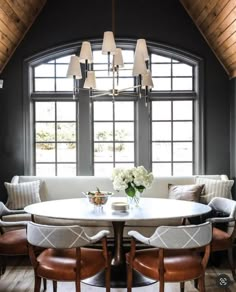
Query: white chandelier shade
x=141 y=49
x=108 y=45
x=86 y=54
x=74 y=69
x=140 y=67
x=90 y=81
x=147 y=80
x=118 y=58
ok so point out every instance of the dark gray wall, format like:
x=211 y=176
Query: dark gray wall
x=163 y=21
x=232 y=132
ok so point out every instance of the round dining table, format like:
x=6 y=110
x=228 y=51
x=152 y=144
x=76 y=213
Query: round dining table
x=148 y=209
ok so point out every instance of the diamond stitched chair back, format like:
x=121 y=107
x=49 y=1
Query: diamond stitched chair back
x=173 y=256
x=65 y=258
x=222 y=238
x=13 y=239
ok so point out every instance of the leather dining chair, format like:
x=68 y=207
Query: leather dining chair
x=224 y=228
x=65 y=256
x=172 y=255
x=13 y=240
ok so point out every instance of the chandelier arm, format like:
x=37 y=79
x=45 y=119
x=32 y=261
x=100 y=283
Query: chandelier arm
x=131 y=87
x=101 y=94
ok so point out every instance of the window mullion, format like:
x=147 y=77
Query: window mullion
x=172 y=143
x=85 y=135
x=56 y=145
x=114 y=134
x=143 y=139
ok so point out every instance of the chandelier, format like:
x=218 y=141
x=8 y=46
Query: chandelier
x=140 y=71
x=115 y=63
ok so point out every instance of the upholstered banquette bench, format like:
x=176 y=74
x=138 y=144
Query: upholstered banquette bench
x=37 y=188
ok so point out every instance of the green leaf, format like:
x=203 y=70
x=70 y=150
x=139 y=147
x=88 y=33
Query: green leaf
x=130 y=191
x=140 y=188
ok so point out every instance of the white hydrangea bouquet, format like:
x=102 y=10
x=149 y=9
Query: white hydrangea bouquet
x=133 y=181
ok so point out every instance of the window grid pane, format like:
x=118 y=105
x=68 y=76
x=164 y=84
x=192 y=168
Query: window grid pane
x=51 y=76
x=55 y=138
x=171 y=75
x=172 y=139
x=113 y=134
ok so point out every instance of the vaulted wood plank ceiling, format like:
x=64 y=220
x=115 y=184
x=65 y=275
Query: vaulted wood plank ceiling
x=16 y=17
x=215 y=19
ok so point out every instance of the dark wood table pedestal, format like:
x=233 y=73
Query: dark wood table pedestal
x=118 y=279
x=118 y=265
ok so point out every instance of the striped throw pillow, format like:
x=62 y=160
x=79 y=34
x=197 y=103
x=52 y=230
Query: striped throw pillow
x=22 y=194
x=214 y=188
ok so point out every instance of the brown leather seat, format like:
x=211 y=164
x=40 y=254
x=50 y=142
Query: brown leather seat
x=174 y=256
x=175 y=262
x=64 y=257
x=14 y=241
x=60 y=264
x=222 y=239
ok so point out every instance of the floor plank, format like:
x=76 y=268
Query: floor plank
x=19 y=278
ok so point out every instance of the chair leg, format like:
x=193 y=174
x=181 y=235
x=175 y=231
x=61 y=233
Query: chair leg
x=3 y=265
x=44 y=284
x=77 y=286
x=129 y=277
x=161 y=285
x=54 y=283
x=77 y=281
x=196 y=283
x=108 y=278
x=231 y=262
x=201 y=284
x=37 y=283
x=182 y=286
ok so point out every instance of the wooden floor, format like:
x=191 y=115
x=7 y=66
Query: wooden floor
x=19 y=278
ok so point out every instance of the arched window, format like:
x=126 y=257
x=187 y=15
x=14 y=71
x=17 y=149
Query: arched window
x=91 y=135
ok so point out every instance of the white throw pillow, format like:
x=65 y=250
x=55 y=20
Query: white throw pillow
x=22 y=194
x=214 y=188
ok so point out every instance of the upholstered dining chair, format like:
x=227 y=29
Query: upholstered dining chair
x=224 y=228
x=172 y=256
x=13 y=240
x=65 y=256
